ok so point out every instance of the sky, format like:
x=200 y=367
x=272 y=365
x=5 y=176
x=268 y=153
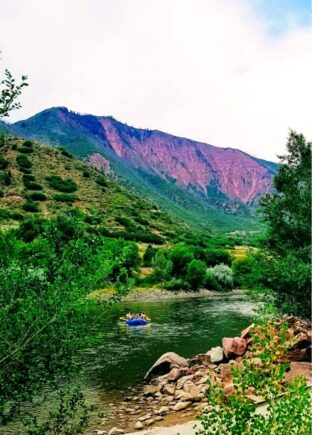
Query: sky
x=232 y=73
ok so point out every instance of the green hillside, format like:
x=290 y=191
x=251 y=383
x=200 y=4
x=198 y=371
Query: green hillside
x=38 y=180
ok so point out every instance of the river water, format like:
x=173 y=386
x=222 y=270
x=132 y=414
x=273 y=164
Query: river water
x=185 y=326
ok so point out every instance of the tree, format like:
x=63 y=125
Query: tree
x=9 y=92
x=149 y=254
x=180 y=255
x=162 y=266
x=287 y=212
x=196 y=273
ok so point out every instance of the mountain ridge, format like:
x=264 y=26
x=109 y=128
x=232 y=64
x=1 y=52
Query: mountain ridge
x=221 y=184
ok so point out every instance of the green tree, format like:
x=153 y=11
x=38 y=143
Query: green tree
x=180 y=255
x=287 y=212
x=162 y=266
x=9 y=93
x=149 y=254
x=196 y=273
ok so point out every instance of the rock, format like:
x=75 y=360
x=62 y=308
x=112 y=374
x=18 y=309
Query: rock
x=149 y=422
x=181 y=405
x=302 y=341
x=100 y=432
x=216 y=354
x=182 y=381
x=299 y=355
x=162 y=411
x=239 y=359
x=201 y=359
x=246 y=333
x=166 y=363
x=173 y=375
x=115 y=431
x=183 y=396
x=138 y=425
x=225 y=372
x=299 y=369
x=169 y=389
x=228 y=388
x=145 y=417
x=190 y=388
x=233 y=347
x=201 y=381
x=150 y=390
x=159 y=418
x=158 y=395
x=167 y=399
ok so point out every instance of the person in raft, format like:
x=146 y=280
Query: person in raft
x=131 y=316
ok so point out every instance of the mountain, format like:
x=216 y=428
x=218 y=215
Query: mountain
x=39 y=180
x=198 y=182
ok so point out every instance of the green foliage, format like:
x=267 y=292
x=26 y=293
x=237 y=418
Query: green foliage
x=57 y=183
x=7 y=178
x=9 y=92
x=86 y=174
x=101 y=181
x=30 y=206
x=46 y=270
x=23 y=162
x=247 y=271
x=162 y=267
x=196 y=274
x=3 y=163
x=25 y=150
x=66 y=153
x=1 y=193
x=7 y=214
x=222 y=274
x=287 y=213
x=65 y=197
x=2 y=140
x=236 y=413
x=212 y=257
x=149 y=254
x=180 y=255
x=30 y=185
x=37 y=196
x=28 y=144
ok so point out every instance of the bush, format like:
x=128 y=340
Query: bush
x=14 y=147
x=23 y=161
x=86 y=174
x=7 y=177
x=148 y=256
x=101 y=182
x=28 y=177
x=32 y=186
x=30 y=229
x=180 y=255
x=66 y=153
x=57 y=183
x=25 y=170
x=3 y=163
x=1 y=193
x=65 y=197
x=246 y=272
x=196 y=273
x=30 y=206
x=37 y=196
x=141 y=220
x=25 y=150
x=7 y=214
x=177 y=284
x=223 y=275
x=212 y=257
x=28 y=144
x=211 y=283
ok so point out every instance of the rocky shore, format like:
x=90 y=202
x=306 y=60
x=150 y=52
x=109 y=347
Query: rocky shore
x=175 y=389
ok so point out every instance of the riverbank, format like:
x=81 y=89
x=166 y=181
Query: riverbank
x=155 y=294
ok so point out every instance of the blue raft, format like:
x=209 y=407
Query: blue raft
x=135 y=322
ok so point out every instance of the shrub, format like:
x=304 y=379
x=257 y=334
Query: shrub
x=32 y=186
x=14 y=147
x=7 y=177
x=223 y=275
x=86 y=174
x=25 y=170
x=65 y=197
x=141 y=220
x=3 y=163
x=30 y=229
x=23 y=161
x=1 y=193
x=37 y=196
x=28 y=144
x=180 y=255
x=2 y=140
x=148 y=256
x=162 y=266
x=211 y=283
x=28 y=177
x=177 y=284
x=25 y=150
x=57 y=183
x=30 y=206
x=101 y=181
x=196 y=273
x=7 y=214
x=66 y=153
x=213 y=257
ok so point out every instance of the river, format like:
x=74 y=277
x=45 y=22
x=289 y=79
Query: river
x=185 y=326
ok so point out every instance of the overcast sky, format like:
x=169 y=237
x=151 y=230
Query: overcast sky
x=232 y=73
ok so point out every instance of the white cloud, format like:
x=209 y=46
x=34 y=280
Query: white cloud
x=203 y=69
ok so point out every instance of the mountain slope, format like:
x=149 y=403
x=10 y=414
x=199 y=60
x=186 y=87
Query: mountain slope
x=200 y=183
x=35 y=176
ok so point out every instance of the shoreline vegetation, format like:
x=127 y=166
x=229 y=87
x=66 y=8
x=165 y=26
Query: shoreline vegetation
x=157 y=294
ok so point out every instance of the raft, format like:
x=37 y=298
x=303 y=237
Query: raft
x=135 y=322
x=148 y=319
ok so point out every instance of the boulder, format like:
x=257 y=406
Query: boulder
x=162 y=411
x=303 y=340
x=150 y=390
x=225 y=372
x=228 y=388
x=201 y=359
x=167 y=399
x=233 y=347
x=216 y=354
x=182 y=381
x=149 y=422
x=169 y=389
x=246 y=333
x=181 y=405
x=299 y=369
x=183 y=396
x=116 y=431
x=173 y=375
x=166 y=363
x=138 y=425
